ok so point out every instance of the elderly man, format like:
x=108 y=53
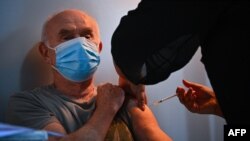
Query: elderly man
x=72 y=105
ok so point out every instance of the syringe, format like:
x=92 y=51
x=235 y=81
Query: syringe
x=163 y=99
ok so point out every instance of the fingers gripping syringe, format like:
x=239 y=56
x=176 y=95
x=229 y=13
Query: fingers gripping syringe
x=163 y=99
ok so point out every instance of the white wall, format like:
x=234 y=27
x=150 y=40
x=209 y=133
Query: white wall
x=20 y=29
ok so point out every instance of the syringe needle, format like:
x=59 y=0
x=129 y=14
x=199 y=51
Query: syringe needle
x=164 y=99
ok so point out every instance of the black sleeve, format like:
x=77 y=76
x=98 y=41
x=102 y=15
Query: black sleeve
x=161 y=36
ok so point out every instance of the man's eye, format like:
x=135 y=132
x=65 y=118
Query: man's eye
x=68 y=38
x=88 y=36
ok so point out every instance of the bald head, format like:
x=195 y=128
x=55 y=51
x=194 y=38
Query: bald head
x=69 y=24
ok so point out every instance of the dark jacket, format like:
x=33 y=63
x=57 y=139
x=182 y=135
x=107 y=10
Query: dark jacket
x=161 y=36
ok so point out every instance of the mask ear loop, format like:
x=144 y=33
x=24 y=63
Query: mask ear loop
x=50 y=48
x=52 y=66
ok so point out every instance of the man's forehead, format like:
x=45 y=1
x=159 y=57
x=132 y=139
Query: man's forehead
x=69 y=14
x=66 y=19
x=70 y=20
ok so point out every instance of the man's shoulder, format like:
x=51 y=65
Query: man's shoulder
x=28 y=99
x=29 y=108
x=30 y=94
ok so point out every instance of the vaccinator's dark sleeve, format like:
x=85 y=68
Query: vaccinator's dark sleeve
x=160 y=37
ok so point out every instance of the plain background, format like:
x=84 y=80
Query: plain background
x=20 y=28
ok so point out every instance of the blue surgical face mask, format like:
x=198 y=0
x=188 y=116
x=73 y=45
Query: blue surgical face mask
x=77 y=59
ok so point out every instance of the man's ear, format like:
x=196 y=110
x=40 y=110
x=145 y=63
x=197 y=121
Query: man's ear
x=44 y=51
x=100 y=47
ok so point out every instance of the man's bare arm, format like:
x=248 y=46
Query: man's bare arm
x=145 y=125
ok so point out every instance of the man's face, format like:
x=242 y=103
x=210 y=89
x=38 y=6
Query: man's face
x=69 y=25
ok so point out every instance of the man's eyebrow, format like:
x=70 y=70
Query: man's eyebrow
x=64 y=32
x=86 y=30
